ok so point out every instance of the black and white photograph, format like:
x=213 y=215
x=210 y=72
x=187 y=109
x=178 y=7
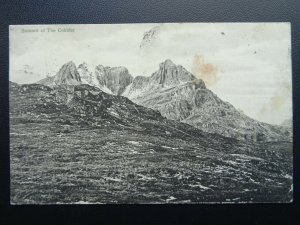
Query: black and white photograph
x=150 y=113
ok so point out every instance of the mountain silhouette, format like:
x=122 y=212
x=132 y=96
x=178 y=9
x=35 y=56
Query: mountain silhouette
x=177 y=94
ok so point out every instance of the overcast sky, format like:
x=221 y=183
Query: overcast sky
x=246 y=64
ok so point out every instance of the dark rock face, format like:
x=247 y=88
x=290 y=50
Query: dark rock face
x=83 y=99
x=115 y=79
x=67 y=75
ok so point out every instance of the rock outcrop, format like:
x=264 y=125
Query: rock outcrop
x=67 y=75
x=116 y=79
x=178 y=95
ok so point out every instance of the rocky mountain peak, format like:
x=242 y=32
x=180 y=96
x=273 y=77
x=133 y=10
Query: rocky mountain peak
x=167 y=64
x=70 y=64
x=67 y=74
x=83 y=65
x=170 y=74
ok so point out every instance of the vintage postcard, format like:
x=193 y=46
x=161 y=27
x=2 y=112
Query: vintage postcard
x=150 y=113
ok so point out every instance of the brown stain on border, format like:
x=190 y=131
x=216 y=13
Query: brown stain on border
x=205 y=71
x=277 y=101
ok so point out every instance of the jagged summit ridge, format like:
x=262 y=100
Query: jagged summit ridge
x=118 y=80
x=170 y=74
x=68 y=74
x=112 y=80
x=176 y=93
x=167 y=63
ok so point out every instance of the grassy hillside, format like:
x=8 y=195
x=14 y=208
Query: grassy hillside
x=85 y=146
